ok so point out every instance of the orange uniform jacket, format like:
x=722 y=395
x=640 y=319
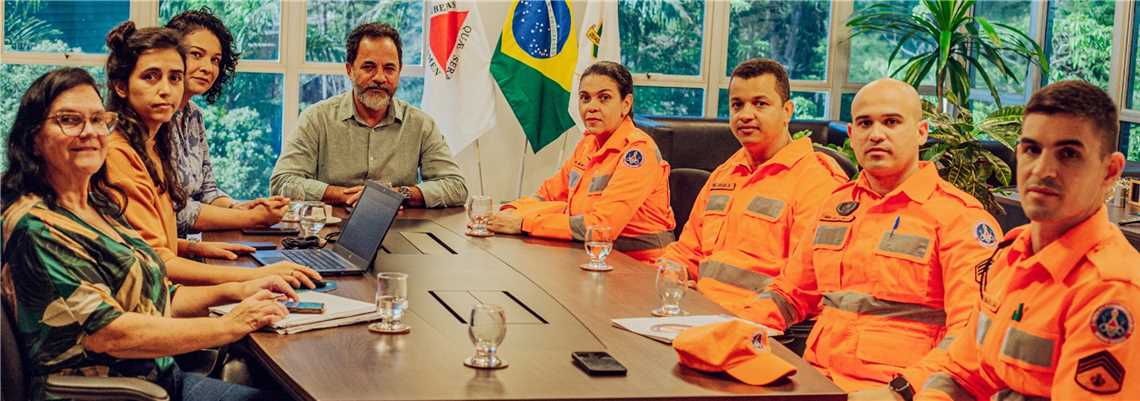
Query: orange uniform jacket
x=623 y=183
x=746 y=222
x=1056 y=324
x=889 y=275
x=149 y=210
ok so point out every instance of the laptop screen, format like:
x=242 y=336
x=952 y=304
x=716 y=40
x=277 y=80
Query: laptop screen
x=368 y=224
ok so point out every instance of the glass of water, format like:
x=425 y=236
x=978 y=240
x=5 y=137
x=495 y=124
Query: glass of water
x=670 y=288
x=599 y=243
x=486 y=326
x=391 y=302
x=479 y=211
x=313 y=218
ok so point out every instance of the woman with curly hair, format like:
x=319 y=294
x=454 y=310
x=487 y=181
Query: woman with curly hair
x=210 y=64
x=145 y=79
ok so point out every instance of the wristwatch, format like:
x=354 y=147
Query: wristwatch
x=902 y=387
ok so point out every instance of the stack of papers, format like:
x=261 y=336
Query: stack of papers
x=339 y=311
x=665 y=329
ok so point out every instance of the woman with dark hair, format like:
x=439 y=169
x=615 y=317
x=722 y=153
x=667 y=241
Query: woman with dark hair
x=615 y=178
x=145 y=72
x=90 y=296
x=210 y=63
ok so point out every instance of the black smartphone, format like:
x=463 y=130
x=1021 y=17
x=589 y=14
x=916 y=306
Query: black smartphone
x=261 y=246
x=305 y=307
x=271 y=231
x=597 y=363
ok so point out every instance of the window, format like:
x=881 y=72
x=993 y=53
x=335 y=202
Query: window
x=1079 y=40
x=255 y=25
x=1015 y=14
x=1132 y=99
x=61 y=26
x=318 y=87
x=1130 y=140
x=663 y=37
x=870 y=53
x=791 y=32
x=330 y=22
x=674 y=102
x=244 y=130
x=809 y=105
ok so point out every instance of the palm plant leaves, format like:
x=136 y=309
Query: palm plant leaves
x=956 y=40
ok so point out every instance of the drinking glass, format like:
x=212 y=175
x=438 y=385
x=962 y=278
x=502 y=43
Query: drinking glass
x=391 y=302
x=599 y=243
x=670 y=288
x=486 y=326
x=293 y=212
x=313 y=218
x=479 y=211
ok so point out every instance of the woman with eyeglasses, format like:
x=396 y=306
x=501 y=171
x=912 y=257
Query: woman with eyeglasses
x=145 y=72
x=89 y=296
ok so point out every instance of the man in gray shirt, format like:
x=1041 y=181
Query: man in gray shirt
x=366 y=134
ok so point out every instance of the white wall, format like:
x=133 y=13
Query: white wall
x=502 y=153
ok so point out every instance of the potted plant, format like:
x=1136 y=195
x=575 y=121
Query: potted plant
x=956 y=148
x=950 y=41
x=950 y=44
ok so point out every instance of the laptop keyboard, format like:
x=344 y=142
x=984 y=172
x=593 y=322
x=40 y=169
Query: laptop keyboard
x=318 y=259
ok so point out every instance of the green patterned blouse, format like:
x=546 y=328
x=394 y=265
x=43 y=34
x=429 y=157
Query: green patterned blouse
x=68 y=280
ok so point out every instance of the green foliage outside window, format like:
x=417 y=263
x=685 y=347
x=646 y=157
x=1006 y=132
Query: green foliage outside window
x=791 y=32
x=330 y=22
x=1080 y=40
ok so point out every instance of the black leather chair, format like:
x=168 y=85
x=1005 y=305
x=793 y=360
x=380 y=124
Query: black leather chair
x=684 y=186
x=846 y=164
x=15 y=380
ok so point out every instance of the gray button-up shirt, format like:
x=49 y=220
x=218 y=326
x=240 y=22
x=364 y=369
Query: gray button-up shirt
x=333 y=146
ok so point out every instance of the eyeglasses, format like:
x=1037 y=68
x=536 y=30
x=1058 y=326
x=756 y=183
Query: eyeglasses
x=73 y=124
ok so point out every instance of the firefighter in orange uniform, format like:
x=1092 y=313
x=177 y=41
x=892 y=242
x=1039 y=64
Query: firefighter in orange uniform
x=888 y=263
x=1059 y=298
x=615 y=177
x=756 y=206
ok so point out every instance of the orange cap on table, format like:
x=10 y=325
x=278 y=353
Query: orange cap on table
x=736 y=347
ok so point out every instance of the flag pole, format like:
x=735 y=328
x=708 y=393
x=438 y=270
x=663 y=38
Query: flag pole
x=522 y=167
x=479 y=166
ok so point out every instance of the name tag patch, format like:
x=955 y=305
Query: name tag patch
x=830 y=235
x=766 y=206
x=911 y=245
x=723 y=186
x=717 y=203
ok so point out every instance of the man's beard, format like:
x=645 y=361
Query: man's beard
x=373 y=97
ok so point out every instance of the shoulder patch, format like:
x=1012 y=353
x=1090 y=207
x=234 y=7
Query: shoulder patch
x=633 y=158
x=1112 y=323
x=1100 y=373
x=985 y=234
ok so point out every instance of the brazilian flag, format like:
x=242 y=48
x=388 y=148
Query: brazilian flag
x=534 y=64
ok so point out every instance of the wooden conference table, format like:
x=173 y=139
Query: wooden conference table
x=552 y=307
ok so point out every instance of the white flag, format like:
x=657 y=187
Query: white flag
x=458 y=87
x=598 y=40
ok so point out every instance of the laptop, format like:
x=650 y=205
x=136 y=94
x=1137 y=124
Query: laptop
x=359 y=240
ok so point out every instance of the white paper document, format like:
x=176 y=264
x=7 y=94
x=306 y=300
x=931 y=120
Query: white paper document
x=665 y=329
x=339 y=311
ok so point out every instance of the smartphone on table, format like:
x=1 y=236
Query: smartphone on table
x=305 y=307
